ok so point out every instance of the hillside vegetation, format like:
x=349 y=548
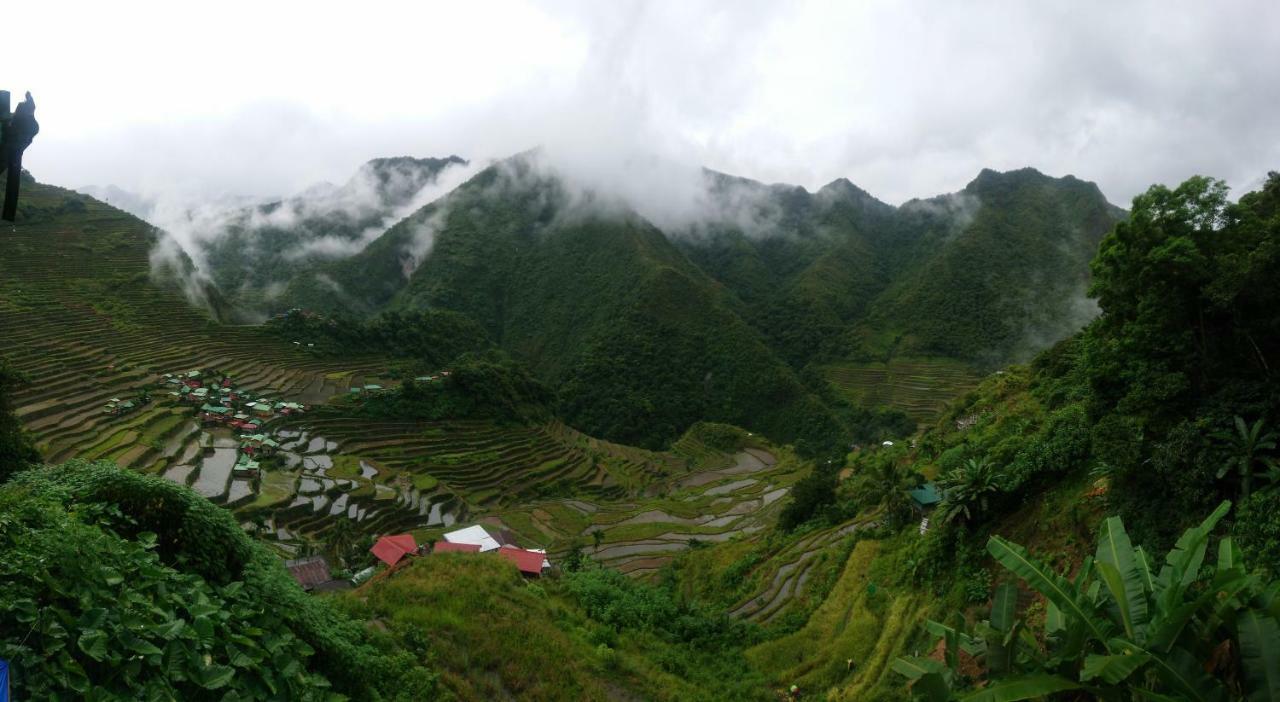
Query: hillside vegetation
x=253 y=253
x=638 y=341
x=1106 y=525
x=645 y=331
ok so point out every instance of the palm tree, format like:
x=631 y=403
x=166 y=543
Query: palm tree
x=597 y=536
x=1246 y=447
x=967 y=489
x=341 y=539
x=885 y=485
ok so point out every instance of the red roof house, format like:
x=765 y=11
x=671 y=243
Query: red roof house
x=529 y=562
x=309 y=572
x=390 y=549
x=447 y=547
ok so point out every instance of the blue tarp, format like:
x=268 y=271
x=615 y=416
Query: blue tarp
x=4 y=681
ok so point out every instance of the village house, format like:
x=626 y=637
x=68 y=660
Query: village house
x=118 y=406
x=258 y=445
x=214 y=414
x=246 y=468
x=531 y=563
x=262 y=408
x=312 y=573
x=391 y=549
x=474 y=535
x=925 y=497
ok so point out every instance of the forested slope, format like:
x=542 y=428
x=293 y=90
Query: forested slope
x=638 y=340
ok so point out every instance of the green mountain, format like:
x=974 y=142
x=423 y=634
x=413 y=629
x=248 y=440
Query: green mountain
x=991 y=274
x=1005 y=280
x=640 y=342
x=644 y=330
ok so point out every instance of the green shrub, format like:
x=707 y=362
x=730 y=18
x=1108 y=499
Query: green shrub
x=135 y=587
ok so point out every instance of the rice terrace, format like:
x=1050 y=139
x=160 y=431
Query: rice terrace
x=90 y=343
x=684 y=352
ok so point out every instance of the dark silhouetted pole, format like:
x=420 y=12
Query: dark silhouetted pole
x=16 y=132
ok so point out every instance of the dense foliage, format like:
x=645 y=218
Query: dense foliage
x=699 y=645
x=124 y=586
x=1011 y=281
x=253 y=253
x=16 y=448
x=638 y=342
x=1121 y=628
x=1169 y=397
x=426 y=340
x=478 y=386
x=1189 y=340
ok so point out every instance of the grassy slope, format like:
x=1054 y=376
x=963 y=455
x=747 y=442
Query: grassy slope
x=494 y=635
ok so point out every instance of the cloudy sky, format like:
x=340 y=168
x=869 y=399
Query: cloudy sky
x=905 y=99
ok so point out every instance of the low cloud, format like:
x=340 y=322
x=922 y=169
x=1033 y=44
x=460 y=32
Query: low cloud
x=374 y=199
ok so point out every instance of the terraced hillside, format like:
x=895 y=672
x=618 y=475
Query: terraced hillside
x=81 y=318
x=715 y=498
x=417 y=475
x=921 y=387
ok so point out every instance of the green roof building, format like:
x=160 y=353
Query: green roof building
x=926 y=496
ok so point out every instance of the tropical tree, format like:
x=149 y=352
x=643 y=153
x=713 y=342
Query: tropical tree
x=967 y=490
x=342 y=540
x=884 y=484
x=1119 y=630
x=1246 y=449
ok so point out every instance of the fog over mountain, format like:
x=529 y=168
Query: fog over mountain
x=905 y=101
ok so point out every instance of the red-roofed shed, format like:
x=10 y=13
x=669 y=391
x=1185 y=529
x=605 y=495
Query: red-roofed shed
x=390 y=549
x=447 y=547
x=529 y=562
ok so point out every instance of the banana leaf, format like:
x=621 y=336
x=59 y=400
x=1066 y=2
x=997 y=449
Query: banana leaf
x=1260 y=656
x=1023 y=688
x=1054 y=587
x=1118 y=566
x=1112 y=669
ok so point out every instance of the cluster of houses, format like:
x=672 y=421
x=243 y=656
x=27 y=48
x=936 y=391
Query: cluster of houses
x=313 y=572
x=374 y=388
x=253 y=447
x=531 y=563
x=117 y=406
x=224 y=405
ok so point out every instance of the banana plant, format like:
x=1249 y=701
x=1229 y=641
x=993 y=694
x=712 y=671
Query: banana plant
x=1121 y=629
